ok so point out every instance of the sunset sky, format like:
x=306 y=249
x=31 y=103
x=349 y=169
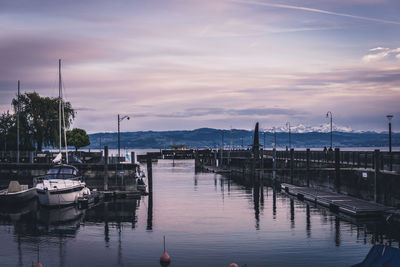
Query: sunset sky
x=207 y=63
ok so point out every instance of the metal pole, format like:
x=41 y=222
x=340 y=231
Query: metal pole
x=390 y=146
x=327 y=115
x=59 y=102
x=18 y=110
x=331 y=131
x=390 y=117
x=290 y=136
x=264 y=140
x=119 y=144
x=222 y=147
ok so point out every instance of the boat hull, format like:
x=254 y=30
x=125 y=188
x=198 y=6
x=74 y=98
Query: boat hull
x=18 y=197
x=60 y=197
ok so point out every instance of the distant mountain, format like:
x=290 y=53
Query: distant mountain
x=206 y=137
x=323 y=128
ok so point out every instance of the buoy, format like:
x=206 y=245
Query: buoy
x=233 y=265
x=165 y=259
x=38 y=264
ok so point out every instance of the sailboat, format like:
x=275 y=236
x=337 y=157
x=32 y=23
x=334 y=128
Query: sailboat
x=62 y=185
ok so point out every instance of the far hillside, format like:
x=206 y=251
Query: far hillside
x=211 y=138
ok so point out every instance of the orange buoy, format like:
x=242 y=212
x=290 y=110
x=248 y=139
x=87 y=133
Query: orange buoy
x=165 y=259
x=233 y=265
x=38 y=264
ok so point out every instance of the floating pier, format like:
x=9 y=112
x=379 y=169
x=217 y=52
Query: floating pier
x=337 y=202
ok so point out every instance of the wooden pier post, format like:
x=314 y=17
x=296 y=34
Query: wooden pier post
x=377 y=164
x=150 y=173
x=337 y=170
x=274 y=165
x=291 y=165
x=308 y=166
x=105 y=168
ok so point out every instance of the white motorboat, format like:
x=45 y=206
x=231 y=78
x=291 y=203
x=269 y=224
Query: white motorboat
x=62 y=185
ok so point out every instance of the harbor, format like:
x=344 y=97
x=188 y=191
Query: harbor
x=127 y=231
x=200 y=133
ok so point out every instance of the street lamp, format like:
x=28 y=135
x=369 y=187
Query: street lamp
x=290 y=136
x=119 y=136
x=390 y=117
x=327 y=115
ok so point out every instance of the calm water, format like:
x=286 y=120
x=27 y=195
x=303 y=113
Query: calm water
x=208 y=220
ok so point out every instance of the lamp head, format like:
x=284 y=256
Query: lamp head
x=127 y=118
x=389 y=117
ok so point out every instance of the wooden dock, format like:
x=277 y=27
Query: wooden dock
x=337 y=202
x=216 y=169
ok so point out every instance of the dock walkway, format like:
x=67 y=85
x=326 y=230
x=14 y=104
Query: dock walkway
x=337 y=202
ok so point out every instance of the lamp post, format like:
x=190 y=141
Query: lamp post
x=290 y=136
x=119 y=136
x=264 y=138
x=327 y=115
x=390 y=117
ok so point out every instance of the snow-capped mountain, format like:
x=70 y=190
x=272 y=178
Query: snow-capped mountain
x=323 y=128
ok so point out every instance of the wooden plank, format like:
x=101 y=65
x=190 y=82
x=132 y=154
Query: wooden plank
x=337 y=202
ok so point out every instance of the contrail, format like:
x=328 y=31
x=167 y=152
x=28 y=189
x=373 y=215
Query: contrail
x=316 y=11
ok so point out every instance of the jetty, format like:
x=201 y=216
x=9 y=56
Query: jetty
x=358 y=183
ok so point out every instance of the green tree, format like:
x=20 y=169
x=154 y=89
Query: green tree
x=7 y=122
x=78 y=138
x=39 y=118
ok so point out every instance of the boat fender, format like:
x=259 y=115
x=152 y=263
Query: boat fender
x=86 y=191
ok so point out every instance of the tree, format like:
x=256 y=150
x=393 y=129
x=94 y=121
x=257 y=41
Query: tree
x=39 y=118
x=7 y=122
x=78 y=138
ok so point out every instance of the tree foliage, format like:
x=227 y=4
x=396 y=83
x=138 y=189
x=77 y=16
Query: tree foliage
x=38 y=122
x=78 y=138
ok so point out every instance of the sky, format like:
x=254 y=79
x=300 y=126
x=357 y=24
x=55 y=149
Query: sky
x=186 y=64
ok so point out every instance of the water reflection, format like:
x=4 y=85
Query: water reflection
x=274 y=204
x=256 y=201
x=244 y=222
x=292 y=213
x=308 y=221
x=150 y=213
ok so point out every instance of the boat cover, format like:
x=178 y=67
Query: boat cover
x=381 y=255
x=14 y=187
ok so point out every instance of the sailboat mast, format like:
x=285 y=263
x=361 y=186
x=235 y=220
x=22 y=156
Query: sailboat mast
x=18 y=110
x=59 y=103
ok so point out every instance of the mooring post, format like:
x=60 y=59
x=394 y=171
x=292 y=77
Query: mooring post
x=150 y=173
x=133 y=157
x=105 y=168
x=377 y=164
x=291 y=165
x=274 y=165
x=337 y=169
x=308 y=166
